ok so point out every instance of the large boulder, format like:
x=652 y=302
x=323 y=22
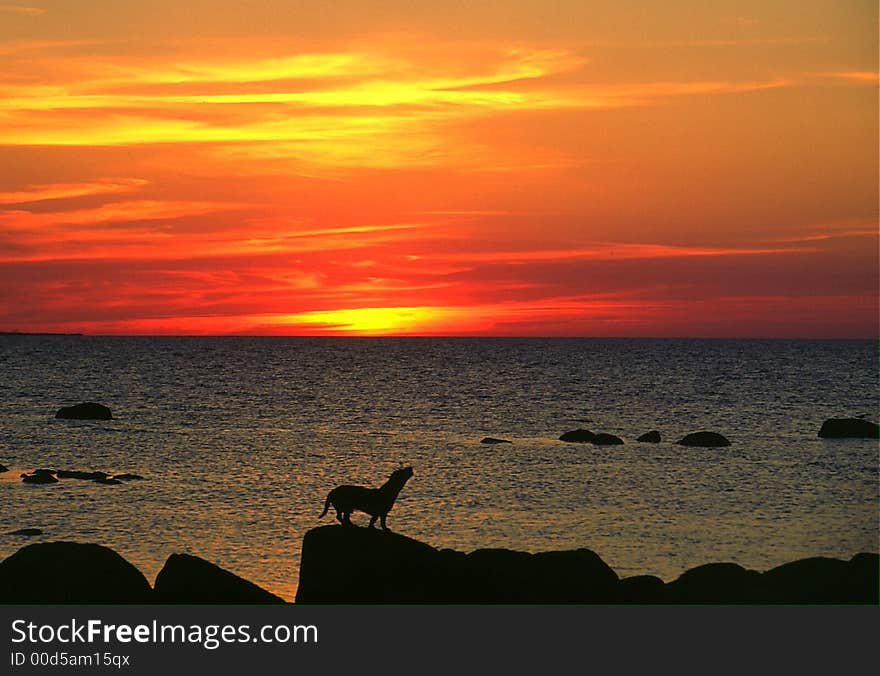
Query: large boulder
x=652 y=437
x=707 y=439
x=641 y=589
x=361 y=565
x=823 y=580
x=579 y=436
x=849 y=428
x=87 y=411
x=715 y=583
x=71 y=572
x=189 y=579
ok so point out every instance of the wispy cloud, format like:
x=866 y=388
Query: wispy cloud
x=23 y=10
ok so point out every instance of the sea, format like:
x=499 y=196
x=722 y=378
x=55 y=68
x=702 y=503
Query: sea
x=241 y=438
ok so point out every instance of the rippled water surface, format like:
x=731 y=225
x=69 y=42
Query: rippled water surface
x=241 y=439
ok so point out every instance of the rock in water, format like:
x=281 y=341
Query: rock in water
x=86 y=411
x=128 y=477
x=578 y=436
x=707 y=439
x=652 y=437
x=849 y=428
x=493 y=440
x=26 y=531
x=189 y=579
x=38 y=478
x=604 y=439
x=70 y=572
x=3 y=468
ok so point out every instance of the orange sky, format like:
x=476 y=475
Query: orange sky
x=371 y=168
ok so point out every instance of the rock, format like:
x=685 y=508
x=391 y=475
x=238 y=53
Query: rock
x=579 y=436
x=38 y=479
x=493 y=440
x=715 y=583
x=26 y=531
x=652 y=437
x=364 y=565
x=708 y=439
x=849 y=428
x=77 y=474
x=43 y=471
x=604 y=439
x=505 y=576
x=822 y=580
x=86 y=411
x=189 y=579
x=70 y=572
x=392 y=568
x=128 y=477
x=3 y=468
x=641 y=589
x=108 y=481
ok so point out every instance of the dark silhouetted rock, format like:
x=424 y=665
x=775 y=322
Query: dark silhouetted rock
x=715 y=583
x=70 y=572
x=38 y=479
x=86 y=411
x=849 y=428
x=641 y=589
x=361 y=565
x=3 y=468
x=77 y=474
x=504 y=576
x=708 y=439
x=652 y=437
x=579 y=436
x=26 y=531
x=128 y=477
x=108 y=481
x=43 y=471
x=823 y=580
x=605 y=439
x=189 y=579
x=493 y=440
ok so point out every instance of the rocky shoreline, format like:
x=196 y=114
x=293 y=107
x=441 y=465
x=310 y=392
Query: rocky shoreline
x=363 y=566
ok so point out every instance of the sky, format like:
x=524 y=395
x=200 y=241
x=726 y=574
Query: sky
x=519 y=168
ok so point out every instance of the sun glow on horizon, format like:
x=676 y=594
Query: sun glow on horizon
x=427 y=170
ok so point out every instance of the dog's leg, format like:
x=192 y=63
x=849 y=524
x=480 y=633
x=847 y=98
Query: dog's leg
x=339 y=517
x=385 y=525
x=373 y=521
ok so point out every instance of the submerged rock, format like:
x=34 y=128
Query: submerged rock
x=70 y=572
x=38 y=478
x=128 y=477
x=493 y=440
x=77 y=474
x=707 y=439
x=86 y=411
x=189 y=579
x=579 y=436
x=849 y=428
x=3 y=468
x=26 y=531
x=108 y=481
x=652 y=437
x=605 y=439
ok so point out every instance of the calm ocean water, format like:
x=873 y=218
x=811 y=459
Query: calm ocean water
x=242 y=438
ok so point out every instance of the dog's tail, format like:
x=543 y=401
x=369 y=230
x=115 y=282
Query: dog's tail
x=326 y=506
